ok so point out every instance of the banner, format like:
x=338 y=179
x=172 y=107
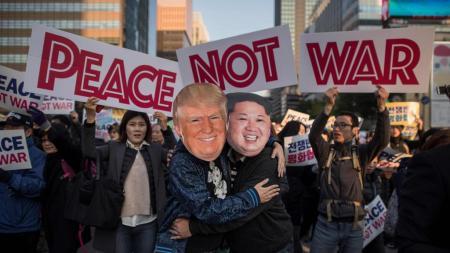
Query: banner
x=296 y=116
x=246 y=63
x=374 y=220
x=398 y=59
x=13 y=96
x=403 y=113
x=14 y=150
x=55 y=105
x=76 y=68
x=441 y=69
x=298 y=151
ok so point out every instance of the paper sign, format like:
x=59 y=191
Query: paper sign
x=440 y=113
x=55 y=105
x=374 y=220
x=398 y=59
x=103 y=120
x=14 y=150
x=403 y=113
x=292 y=115
x=251 y=62
x=13 y=96
x=74 y=67
x=298 y=151
x=441 y=69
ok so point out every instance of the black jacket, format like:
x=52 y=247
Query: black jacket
x=115 y=157
x=345 y=184
x=268 y=227
x=424 y=204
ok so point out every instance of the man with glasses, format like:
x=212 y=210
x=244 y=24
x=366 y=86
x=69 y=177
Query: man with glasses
x=342 y=163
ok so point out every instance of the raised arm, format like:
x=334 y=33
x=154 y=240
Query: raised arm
x=382 y=133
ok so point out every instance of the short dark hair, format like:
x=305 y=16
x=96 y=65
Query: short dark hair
x=127 y=117
x=234 y=98
x=355 y=120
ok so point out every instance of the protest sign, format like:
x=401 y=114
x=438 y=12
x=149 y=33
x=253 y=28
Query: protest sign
x=251 y=62
x=374 y=220
x=403 y=113
x=441 y=69
x=55 y=105
x=13 y=95
x=296 y=116
x=75 y=67
x=440 y=116
x=14 y=150
x=298 y=151
x=103 y=120
x=355 y=61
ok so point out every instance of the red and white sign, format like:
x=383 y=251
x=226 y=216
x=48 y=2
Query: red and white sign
x=397 y=59
x=374 y=220
x=55 y=105
x=298 y=151
x=246 y=63
x=14 y=150
x=13 y=96
x=70 y=66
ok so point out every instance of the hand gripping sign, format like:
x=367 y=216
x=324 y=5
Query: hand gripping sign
x=13 y=95
x=70 y=66
x=14 y=150
x=398 y=59
x=251 y=62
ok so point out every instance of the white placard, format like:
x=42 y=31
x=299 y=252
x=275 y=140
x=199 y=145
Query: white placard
x=246 y=63
x=295 y=115
x=73 y=67
x=298 y=151
x=14 y=150
x=397 y=59
x=374 y=220
x=55 y=105
x=13 y=96
x=441 y=69
x=440 y=113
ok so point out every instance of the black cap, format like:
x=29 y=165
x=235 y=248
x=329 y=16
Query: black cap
x=17 y=119
x=234 y=98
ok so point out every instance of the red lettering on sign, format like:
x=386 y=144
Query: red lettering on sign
x=61 y=58
x=218 y=69
x=358 y=61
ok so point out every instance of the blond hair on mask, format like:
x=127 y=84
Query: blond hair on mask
x=198 y=94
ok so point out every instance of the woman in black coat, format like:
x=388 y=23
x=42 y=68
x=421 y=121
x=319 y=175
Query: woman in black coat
x=63 y=160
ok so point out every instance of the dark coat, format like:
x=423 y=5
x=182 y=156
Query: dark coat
x=191 y=198
x=424 y=204
x=268 y=227
x=112 y=156
x=345 y=184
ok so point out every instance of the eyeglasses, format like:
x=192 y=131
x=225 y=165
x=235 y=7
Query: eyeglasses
x=341 y=125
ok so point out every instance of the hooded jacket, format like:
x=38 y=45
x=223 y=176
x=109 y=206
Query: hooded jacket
x=20 y=208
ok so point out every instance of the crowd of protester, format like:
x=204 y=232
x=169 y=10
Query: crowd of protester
x=216 y=182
